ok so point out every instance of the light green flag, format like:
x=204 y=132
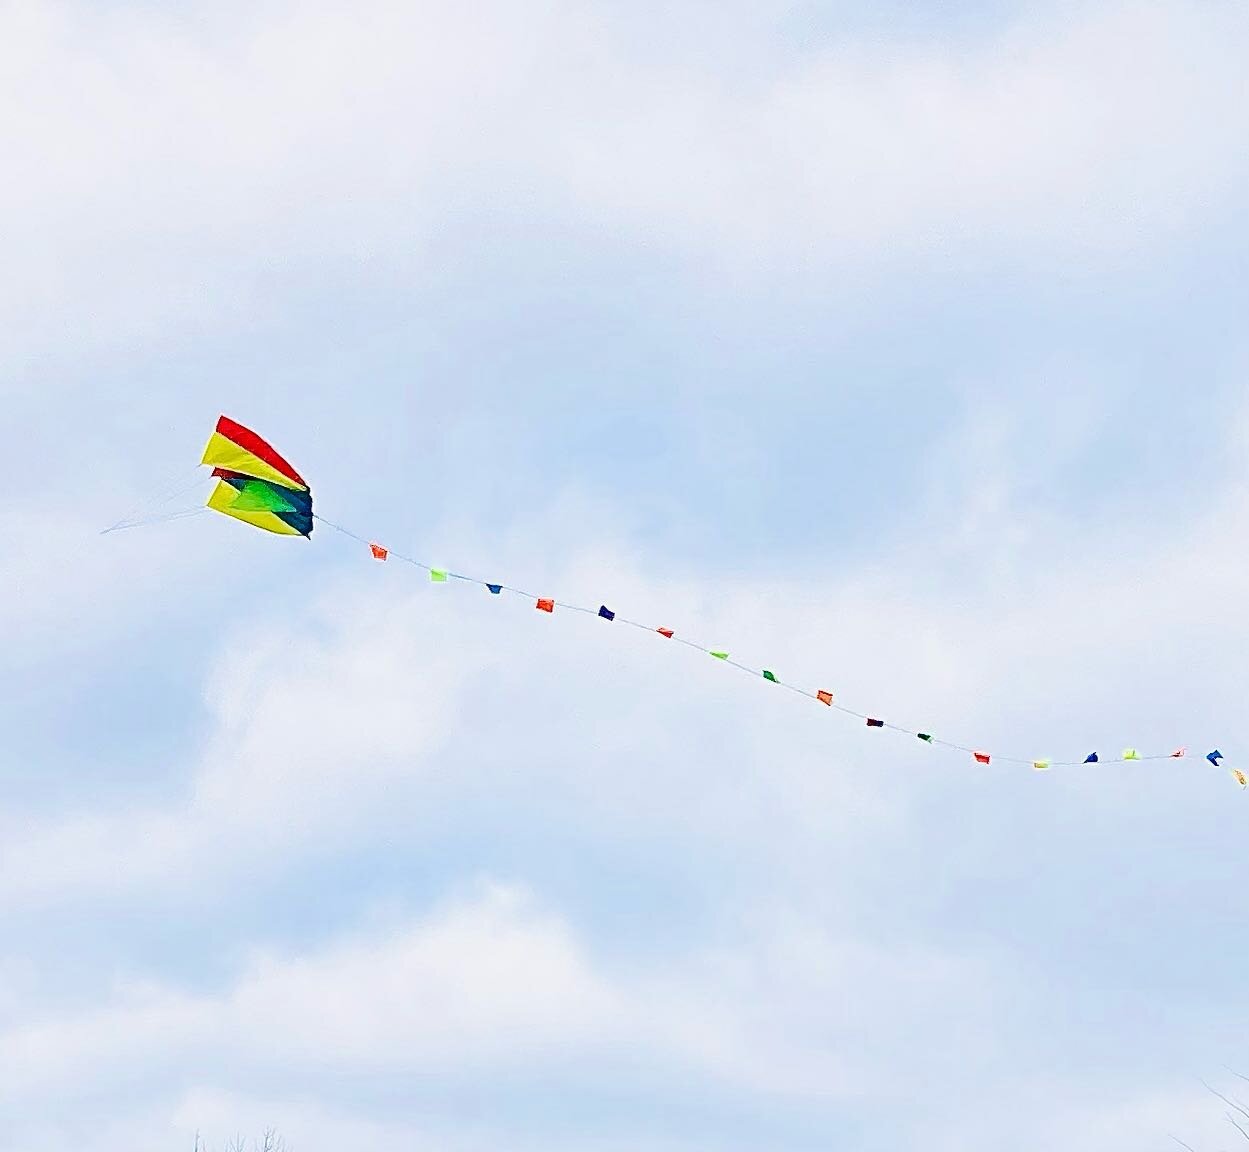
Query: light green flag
x=437 y=575
x=1041 y=765
x=721 y=655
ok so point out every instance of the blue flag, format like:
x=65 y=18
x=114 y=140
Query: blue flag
x=606 y=612
x=1214 y=757
x=495 y=588
x=1091 y=758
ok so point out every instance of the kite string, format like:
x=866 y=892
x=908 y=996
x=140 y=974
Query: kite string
x=753 y=672
x=146 y=513
x=147 y=521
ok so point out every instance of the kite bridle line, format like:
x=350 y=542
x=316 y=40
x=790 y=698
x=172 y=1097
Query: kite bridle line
x=146 y=513
x=757 y=673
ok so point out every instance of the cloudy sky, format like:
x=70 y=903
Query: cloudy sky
x=899 y=347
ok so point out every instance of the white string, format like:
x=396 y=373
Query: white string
x=146 y=513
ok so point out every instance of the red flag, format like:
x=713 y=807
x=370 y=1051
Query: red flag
x=546 y=605
x=981 y=757
x=1178 y=753
x=824 y=697
x=665 y=632
x=379 y=553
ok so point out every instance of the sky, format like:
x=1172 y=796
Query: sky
x=898 y=347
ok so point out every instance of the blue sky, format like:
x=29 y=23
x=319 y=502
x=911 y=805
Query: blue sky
x=898 y=347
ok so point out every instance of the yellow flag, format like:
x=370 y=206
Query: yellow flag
x=1131 y=754
x=1041 y=765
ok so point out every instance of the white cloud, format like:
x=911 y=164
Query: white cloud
x=1088 y=133
x=493 y=987
x=169 y=171
x=477 y=981
x=495 y=982
x=480 y=982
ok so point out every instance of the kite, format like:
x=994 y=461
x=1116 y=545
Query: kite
x=259 y=487
x=255 y=484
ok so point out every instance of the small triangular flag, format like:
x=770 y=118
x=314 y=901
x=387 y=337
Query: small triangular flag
x=769 y=676
x=379 y=553
x=495 y=588
x=1179 y=753
x=606 y=612
x=438 y=576
x=544 y=605
x=721 y=655
x=981 y=757
x=1239 y=777
x=1091 y=758
x=1214 y=757
x=665 y=632
x=1041 y=765
x=926 y=737
x=824 y=697
x=1131 y=754
x=872 y=722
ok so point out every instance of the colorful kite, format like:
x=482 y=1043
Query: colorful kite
x=259 y=487
x=255 y=484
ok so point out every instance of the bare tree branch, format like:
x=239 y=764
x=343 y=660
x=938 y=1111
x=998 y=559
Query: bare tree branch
x=268 y=1141
x=1231 y=1103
